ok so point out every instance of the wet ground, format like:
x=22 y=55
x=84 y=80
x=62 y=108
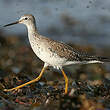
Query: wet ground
x=89 y=85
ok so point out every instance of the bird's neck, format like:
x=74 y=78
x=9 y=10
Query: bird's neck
x=32 y=30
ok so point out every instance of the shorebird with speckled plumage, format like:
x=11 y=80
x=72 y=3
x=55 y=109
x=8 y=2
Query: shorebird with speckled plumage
x=53 y=53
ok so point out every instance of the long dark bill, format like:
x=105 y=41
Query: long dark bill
x=11 y=24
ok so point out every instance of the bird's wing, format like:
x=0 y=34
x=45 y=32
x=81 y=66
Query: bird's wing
x=71 y=54
x=65 y=51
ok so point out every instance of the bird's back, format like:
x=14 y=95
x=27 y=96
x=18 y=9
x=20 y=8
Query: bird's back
x=70 y=54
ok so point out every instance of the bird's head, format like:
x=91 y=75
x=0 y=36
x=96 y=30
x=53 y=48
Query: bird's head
x=27 y=19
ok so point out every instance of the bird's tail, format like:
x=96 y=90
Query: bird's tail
x=96 y=59
x=103 y=59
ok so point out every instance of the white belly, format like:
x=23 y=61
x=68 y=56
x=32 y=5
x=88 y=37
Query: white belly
x=46 y=55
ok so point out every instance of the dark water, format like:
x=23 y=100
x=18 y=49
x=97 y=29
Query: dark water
x=78 y=21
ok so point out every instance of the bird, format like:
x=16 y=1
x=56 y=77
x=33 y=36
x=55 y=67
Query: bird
x=52 y=52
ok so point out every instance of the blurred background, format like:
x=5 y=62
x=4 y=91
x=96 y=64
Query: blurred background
x=83 y=24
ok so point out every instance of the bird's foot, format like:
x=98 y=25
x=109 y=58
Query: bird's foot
x=9 y=90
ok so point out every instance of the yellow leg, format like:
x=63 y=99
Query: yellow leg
x=66 y=81
x=34 y=80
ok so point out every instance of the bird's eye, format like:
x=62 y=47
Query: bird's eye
x=26 y=18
